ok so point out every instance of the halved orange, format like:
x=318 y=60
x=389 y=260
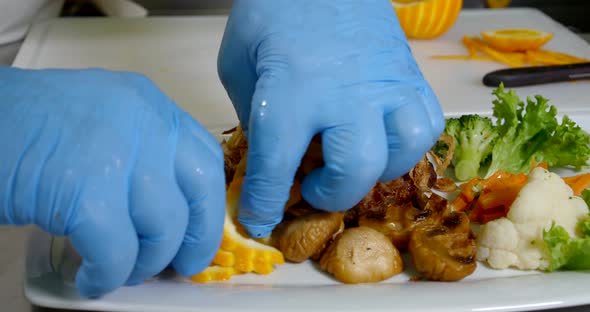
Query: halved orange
x=497 y=4
x=426 y=19
x=512 y=40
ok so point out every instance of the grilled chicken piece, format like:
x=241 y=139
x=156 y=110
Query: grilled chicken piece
x=444 y=251
x=361 y=255
x=308 y=235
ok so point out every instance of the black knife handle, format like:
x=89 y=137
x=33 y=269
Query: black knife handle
x=526 y=76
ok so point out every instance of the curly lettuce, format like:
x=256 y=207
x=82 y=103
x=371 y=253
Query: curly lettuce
x=530 y=131
x=566 y=252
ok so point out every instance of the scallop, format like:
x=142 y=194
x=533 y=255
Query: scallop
x=361 y=255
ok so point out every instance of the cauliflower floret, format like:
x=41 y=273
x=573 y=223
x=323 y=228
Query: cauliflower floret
x=517 y=240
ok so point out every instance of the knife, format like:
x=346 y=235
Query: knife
x=526 y=76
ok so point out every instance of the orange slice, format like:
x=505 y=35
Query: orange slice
x=238 y=253
x=512 y=40
x=426 y=19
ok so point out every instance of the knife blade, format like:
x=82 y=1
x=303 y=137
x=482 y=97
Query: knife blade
x=526 y=76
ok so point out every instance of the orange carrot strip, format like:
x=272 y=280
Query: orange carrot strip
x=485 y=218
x=466 y=196
x=501 y=180
x=460 y=203
x=578 y=183
x=481 y=216
x=501 y=198
x=535 y=164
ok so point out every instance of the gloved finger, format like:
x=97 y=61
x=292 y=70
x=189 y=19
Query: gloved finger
x=433 y=109
x=235 y=69
x=159 y=212
x=407 y=85
x=157 y=207
x=276 y=144
x=355 y=156
x=410 y=134
x=200 y=176
x=104 y=236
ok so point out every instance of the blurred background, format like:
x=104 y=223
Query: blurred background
x=572 y=13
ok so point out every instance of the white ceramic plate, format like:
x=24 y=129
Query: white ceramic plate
x=186 y=71
x=303 y=287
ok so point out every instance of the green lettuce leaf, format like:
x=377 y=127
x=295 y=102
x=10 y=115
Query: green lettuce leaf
x=586 y=196
x=567 y=253
x=568 y=146
x=556 y=240
x=530 y=131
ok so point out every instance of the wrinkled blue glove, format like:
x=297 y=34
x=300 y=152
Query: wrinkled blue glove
x=108 y=160
x=342 y=69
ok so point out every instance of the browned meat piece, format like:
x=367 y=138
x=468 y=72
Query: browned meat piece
x=446 y=185
x=396 y=224
x=399 y=220
x=435 y=209
x=307 y=235
x=361 y=255
x=299 y=209
x=423 y=175
x=351 y=217
x=413 y=187
x=375 y=204
x=234 y=150
x=444 y=251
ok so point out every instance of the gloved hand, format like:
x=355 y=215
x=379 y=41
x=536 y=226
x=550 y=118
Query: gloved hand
x=108 y=160
x=343 y=69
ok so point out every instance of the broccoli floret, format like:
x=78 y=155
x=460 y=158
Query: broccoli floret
x=440 y=149
x=474 y=137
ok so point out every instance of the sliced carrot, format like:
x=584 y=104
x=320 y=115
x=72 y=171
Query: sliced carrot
x=535 y=164
x=467 y=195
x=491 y=198
x=501 y=198
x=487 y=217
x=460 y=203
x=481 y=216
x=502 y=180
x=578 y=183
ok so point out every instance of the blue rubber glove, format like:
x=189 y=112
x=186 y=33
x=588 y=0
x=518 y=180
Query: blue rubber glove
x=342 y=69
x=108 y=160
